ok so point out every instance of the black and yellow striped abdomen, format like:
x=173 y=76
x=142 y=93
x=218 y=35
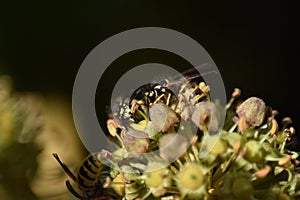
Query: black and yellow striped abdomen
x=89 y=174
x=88 y=178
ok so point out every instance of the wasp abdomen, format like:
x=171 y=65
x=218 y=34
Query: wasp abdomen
x=88 y=177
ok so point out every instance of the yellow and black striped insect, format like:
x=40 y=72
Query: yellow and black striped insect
x=129 y=109
x=172 y=93
x=88 y=179
x=150 y=94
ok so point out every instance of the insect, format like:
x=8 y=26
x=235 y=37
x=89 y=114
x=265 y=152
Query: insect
x=88 y=179
x=121 y=110
x=150 y=94
x=136 y=108
x=188 y=91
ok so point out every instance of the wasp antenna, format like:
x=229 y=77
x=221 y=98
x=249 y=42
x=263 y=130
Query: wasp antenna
x=72 y=190
x=65 y=167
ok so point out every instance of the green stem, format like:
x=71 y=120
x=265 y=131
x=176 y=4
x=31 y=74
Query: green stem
x=225 y=168
x=228 y=105
x=209 y=180
x=283 y=146
x=265 y=137
x=232 y=128
x=120 y=140
x=144 y=116
x=195 y=152
x=146 y=195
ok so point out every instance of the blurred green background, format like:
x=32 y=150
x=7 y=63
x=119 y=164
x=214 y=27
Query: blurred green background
x=254 y=44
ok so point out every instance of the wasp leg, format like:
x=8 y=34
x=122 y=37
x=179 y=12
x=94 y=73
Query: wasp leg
x=147 y=104
x=73 y=191
x=168 y=99
x=158 y=99
x=65 y=167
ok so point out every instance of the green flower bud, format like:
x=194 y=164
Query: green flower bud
x=157 y=178
x=254 y=151
x=219 y=148
x=191 y=180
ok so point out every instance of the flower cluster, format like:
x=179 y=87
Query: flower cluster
x=248 y=160
x=235 y=152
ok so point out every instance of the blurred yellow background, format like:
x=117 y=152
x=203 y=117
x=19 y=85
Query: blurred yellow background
x=32 y=127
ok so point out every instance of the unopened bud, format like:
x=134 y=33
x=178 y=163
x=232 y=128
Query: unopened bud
x=287 y=121
x=112 y=127
x=274 y=127
x=204 y=87
x=242 y=124
x=284 y=160
x=262 y=173
x=236 y=93
x=292 y=130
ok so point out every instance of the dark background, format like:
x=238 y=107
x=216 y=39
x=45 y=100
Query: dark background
x=42 y=44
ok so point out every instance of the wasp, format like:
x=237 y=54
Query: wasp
x=136 y=108
x=88 y=179
x=174 y=93
x=149 y=94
